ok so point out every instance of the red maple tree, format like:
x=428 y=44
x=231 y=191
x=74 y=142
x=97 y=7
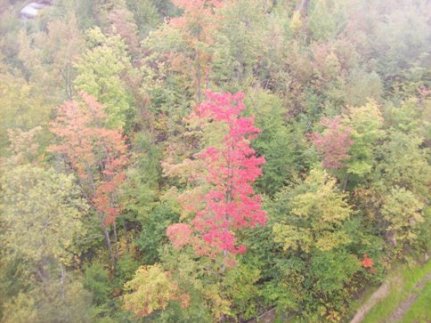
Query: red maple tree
x=229 y=204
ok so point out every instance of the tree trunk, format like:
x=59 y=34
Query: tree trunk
x=345 y=181
x=62 y=280
x=302 y=7
x=116 y=243
x=109 y=246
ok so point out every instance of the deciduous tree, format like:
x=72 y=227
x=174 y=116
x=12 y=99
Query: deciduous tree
x=315 y=216
x=334 y=143
x=403 y=212
x=98 y=155
x=366 y=123
x=41 y=216
x=150 y=290
x=100 y=72
x=228 y=202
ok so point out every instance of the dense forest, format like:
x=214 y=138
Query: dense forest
x=210 y=160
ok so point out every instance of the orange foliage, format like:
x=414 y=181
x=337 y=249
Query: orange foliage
x=98 y=155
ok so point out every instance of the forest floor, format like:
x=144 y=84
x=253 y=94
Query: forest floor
x=404 y=296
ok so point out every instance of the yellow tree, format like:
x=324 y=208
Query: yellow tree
x=317 y=212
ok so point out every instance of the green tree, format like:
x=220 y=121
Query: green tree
x=146 y=14
x=366 y=123
x=404 y=163
x=56 y=302
x=100 y=72
x=237 y=50
x=316 y=215
x=283 y=144
x=48 y=57
x=403 y=212
x=41 y=219
x=48 y=207
x=21 y=107
x=327 y=18
x=311 y=225
x=150 y=290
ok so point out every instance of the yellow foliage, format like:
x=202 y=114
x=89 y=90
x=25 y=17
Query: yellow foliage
x=296 y=21
x=321 y=209
x=150 y=290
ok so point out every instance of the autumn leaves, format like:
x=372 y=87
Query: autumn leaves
x=98 y=155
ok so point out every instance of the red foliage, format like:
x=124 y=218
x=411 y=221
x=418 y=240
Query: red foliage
x=98 y=155
x=230 y=204
x=334 y=143
x=367 y=262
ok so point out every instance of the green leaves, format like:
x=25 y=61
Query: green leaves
x=96 y=280
x=241 y=287
x=366 y=123
x=333 y=269
x=403 y=211
x=404 y=163
x=47 y=207
x=20 y=107
x=316 y=215
x=280 y=144
x=100 y=71
x=327 y=18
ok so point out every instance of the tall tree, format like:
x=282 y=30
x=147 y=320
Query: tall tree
x=281 y=143
x=48 y=57
x=366 y=123
x=42 y=214
x=123 y=23
x=184 y=42
x=151 y=290
x=238 y=53
x=98 y=156
x=100 y=73
x=312 y=223
x=228 y=202
x=403 y=212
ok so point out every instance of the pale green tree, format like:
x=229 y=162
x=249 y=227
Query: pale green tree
x=404 y=163
x=100 y=72
x=48 y=56
x=21 y=107
x=312 y=215
x=41 y=215
x=403 y=212
x=366 y=123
